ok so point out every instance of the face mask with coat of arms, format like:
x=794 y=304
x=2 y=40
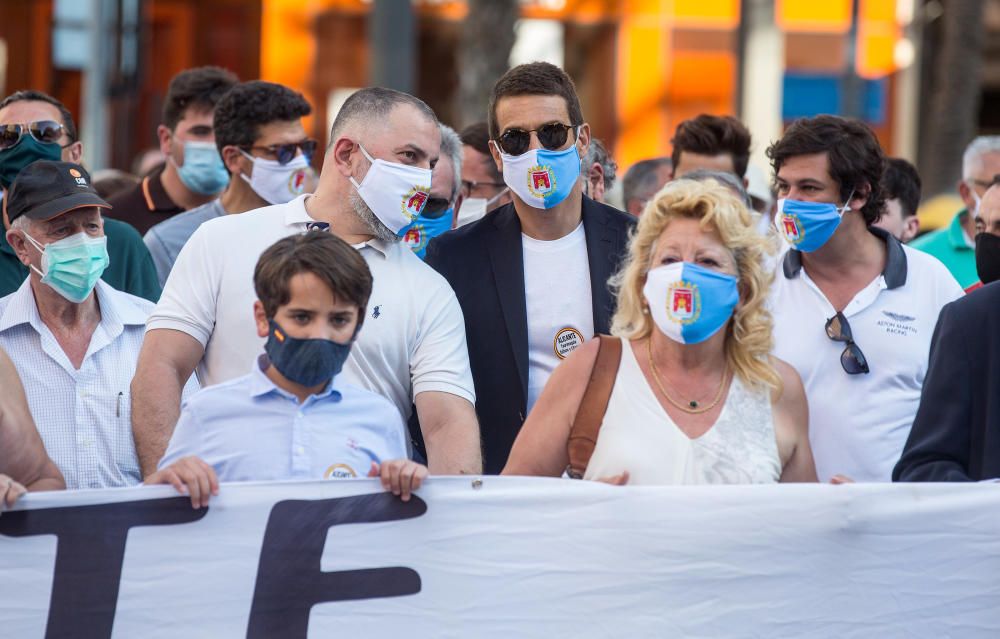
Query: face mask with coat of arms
x=690 y=303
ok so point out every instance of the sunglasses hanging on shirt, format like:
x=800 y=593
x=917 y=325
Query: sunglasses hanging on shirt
x=851 y=359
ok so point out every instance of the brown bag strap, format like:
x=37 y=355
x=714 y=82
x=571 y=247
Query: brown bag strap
x=590 y=415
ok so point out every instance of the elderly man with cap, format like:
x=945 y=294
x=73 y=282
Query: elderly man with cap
x=72 y=337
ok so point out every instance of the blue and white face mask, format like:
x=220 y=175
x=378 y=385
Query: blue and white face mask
x=806 y=226
x=690 y=303
x=422 y=230
x=542 y=178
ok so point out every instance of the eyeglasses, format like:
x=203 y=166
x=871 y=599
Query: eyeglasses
x=285 y=153
x=852 y=359
x=435 y=207
x=551 y=136
x=468 y=186
x=984 y=184
x=45 y=131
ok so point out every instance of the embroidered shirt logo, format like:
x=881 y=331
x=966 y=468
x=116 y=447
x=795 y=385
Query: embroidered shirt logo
x=898 y=317
x=897 y=324
x=376 y=311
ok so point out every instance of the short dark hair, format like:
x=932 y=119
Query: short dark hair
x=477 y=136
x=200 y=88
x=640 y=176
x=535 y=78
x=30 y=95
x=852 y=150
x=713 y=135
x=374 y=104
x=249 y=105
x=324 y=255
x=902 y=182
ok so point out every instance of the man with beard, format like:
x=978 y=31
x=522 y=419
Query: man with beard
x=374 y=182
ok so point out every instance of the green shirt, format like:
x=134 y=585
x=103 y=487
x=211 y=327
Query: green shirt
x=948 y=245
x=130 y=269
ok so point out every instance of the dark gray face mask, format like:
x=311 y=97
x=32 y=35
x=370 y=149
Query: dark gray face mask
x=309 y=362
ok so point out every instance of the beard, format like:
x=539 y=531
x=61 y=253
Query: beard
x=367 y=215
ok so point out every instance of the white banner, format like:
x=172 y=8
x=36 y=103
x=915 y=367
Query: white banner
x=507 y=558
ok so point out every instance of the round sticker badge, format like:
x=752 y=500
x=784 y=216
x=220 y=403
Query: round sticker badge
x=566 y=341
x=339 y=471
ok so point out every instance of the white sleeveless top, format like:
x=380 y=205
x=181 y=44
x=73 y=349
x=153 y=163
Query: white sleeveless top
x=639 y=436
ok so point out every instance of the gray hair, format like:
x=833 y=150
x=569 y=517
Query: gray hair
x=598 y=153
x=983 y=145
x=726 y=179
x=451 y=147
x=641 y=177
x=373 y=104
x=21 y=223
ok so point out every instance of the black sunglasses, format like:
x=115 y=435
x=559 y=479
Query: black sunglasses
x=551 y=136
x=852 y=359
x=45 y=131
x=285 y=153
x=435 y=207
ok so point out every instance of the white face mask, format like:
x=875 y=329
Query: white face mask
x=277 y=183
x=395 y=192
x=475 y=208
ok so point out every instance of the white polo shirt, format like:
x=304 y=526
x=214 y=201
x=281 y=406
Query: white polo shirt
x=412 y=341
x=858 y=424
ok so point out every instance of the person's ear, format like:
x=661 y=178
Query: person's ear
x=860 y=198
x=236 y=163
x=164 y=136
x=260 y=319
x=911 y=228
x=583 y=140
x=341 y=154
x=73 y=152
x=965 y=192
x=595 y=175
x=495 y=152
x=15 y=238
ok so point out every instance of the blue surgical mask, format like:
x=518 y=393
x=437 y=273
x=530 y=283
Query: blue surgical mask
x=73 y=265
x=309 y=362
x=806 y=226
x=26 y=151
x=690 y=303
x=424 y=229
x=203 y=171
x=542 y=178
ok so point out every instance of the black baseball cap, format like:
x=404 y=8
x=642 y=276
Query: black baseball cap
x=45 y=189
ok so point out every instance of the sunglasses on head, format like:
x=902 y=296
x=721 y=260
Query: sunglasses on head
x=551 y=136
x=852 y=359
x=45 y=131
x=285 y=153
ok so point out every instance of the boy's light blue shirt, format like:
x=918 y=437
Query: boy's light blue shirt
x=248 y=429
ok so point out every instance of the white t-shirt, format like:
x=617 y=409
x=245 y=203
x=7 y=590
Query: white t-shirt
x=858 y=424
x=558 y=302
x=412 y=341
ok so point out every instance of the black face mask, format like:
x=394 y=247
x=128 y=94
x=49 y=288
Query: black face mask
x=988 y=257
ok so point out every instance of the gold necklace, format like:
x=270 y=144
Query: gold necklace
x=692 y=406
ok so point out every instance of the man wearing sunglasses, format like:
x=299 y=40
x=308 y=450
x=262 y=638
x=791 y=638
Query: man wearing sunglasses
x=259 y=134
x=375 y=180
x=956 y=433
x=853 y=308
x=193 y=174
x=532 y=276
x=35 y=126
x=445 y=198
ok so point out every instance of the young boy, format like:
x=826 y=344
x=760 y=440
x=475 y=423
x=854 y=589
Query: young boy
x=290 y=418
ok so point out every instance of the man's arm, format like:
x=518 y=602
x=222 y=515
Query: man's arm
x=166 y=361
x=22 y=455
x=451 y=433
x=937 y=448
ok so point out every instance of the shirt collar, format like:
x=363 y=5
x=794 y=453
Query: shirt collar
x=956 y=234
x=153 y=193
x=296 y=214
x=261 y=384
x=894 y=272
x=116 y=312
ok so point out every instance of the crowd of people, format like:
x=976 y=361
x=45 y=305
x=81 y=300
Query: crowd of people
x=437 y=302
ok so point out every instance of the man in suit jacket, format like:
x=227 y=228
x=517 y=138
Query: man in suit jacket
x=956 y=434
x=532 y=276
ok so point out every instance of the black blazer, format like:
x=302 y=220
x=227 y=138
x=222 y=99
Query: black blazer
x=484 y=264
x=956 y=433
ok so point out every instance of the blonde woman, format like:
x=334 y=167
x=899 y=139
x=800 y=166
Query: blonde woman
x=697 y=398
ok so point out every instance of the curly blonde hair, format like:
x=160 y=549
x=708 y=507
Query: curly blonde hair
x=749 y=339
